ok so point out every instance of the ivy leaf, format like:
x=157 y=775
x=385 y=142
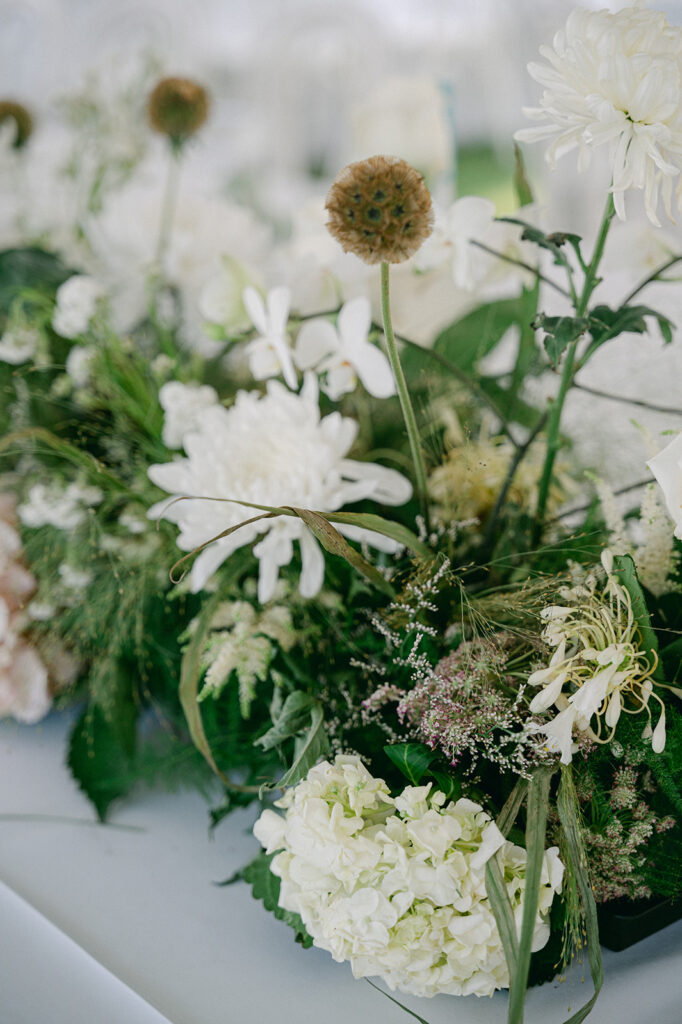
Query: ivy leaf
x=97 y=760
x=292 y=719
x=412 y=759
x=560 y=332
x=265 y=887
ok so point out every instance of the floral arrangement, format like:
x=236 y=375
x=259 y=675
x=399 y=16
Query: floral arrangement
x=257 y=528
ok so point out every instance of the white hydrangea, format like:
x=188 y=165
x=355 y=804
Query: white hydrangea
x=615 y=79
x=273 y=449
x=65 y=508
x=182 y=404
x=397 y=886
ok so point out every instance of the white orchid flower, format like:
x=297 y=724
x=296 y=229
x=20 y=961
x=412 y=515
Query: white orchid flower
x=270 y=354
x=344 y=353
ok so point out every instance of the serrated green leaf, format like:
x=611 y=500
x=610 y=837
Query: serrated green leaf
x=97 y=761
x=265 y=887
x=559 y=333
x=412 y=759
x=293 y=717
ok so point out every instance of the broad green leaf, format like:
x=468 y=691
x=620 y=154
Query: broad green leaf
x=446 y=784
x=475 y=335
x=536 y=824
x=412 y=759
x=265 y=887
x=293 y=718
x=671 y=657
x=607 y=323
x=308 y=750
x=98 y=762
x=29 y=268
x=567 y=806
x=627 y=574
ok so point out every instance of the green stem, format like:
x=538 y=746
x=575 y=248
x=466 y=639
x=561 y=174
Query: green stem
x=169 y=203
x=556 y=408
x=404 y=396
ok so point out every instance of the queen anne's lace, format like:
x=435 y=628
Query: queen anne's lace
x=397 y=886
x=615 y=79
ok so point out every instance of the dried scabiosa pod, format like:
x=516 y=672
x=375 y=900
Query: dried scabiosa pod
x=380 y=210
x=178 y=107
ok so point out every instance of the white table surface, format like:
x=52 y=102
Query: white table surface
x=100 y=925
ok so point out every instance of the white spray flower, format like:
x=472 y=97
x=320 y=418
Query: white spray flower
x=344 y=352
x=615 y=79
x=275 y=450
x=63 y=508
x=667 y=468
x=76 y=303
x=19 y=344
x=270 y=353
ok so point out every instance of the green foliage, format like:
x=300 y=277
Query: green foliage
x=29 y=269
x=265 y=887
x=559 y=333
x=99 y=761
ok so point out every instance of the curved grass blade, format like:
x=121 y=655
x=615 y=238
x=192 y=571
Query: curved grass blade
x=567 y=807
x=397 y=1002
x=84 y=460
x=536 y=824
x=494 y=881
x=333 y=542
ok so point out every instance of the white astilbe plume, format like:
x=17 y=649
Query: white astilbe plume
x=655 y=557
x=276 y=450
x=616 y=80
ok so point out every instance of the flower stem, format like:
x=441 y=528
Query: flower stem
x=404 y=395
x=556 y=408
x=168 y=206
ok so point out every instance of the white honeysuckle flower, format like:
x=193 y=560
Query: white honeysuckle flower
x=667 y=468
x=615 y=79
x=273 y=449
x=397 y=885
x=19 y=345
x=181 y=404
x=344 y=353
x=270 y=353
x=76 y=303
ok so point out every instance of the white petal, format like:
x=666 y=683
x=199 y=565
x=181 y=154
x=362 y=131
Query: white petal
x=374 y=371
x=316 y=339
x=312 y=565
x=279 y=300
x=255 y=307
x=354 y=321
x=205 y=565
x=658 y=737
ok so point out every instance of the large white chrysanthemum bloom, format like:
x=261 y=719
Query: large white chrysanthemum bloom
x=397 y=886
x=615 y=79
x=273 y=449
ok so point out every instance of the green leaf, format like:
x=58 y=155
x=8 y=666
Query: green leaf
x=502 y=912
x=524 y=192
x=95 y=470
x=30 y=268
x=671 y=657
x=552 y=243
x=97 y=760
x=536 y=825
x=567 y=806
x=336 y=544
x=190 y=674
x=560 y=332
x=475 y=335
x=446 y=784
x=386 y=527
x=607 y=323
x=265 y=887
x=412 y=759
x=308 y=750
x=627 y=574
x=293 y=718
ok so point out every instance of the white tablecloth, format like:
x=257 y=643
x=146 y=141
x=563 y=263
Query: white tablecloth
x=102 y=925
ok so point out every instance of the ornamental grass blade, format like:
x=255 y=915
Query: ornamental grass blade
x=397 y=1002
x=536 y=823
x=69 y=452
x=333 y=542
x=567 y=804
x=386 y=527
x=494 y=881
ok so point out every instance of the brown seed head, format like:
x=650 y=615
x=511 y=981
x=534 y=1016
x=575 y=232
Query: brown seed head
x=177 y=107
x=22 y=119
x=380 y=210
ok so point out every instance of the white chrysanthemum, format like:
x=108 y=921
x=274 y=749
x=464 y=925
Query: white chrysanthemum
x=615 y=79
x=397 y=887
x=275 y=450
x=182 y=404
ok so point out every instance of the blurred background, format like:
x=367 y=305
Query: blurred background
x=299 y=88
